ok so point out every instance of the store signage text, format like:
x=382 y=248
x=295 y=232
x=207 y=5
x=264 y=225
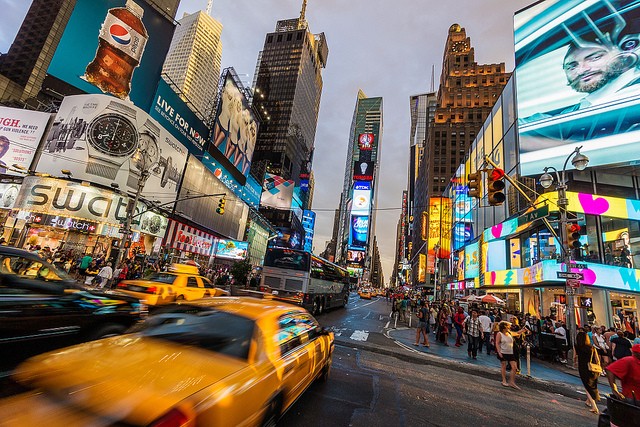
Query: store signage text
x=193 y=240
x=99 y=206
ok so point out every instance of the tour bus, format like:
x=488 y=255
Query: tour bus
x=301 y=278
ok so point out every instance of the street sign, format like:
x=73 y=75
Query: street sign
x=570 y=291
x=574 y=276
x=578 y=266
x=573 y=283
x=541 y=212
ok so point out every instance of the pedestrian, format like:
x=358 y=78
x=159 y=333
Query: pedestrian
x=423 y=325
x=620 y=345
x=600 y=345
x=504 y=348
x=586 y=357
x=404 y=303
x=105 y=275
x=561 y=340
x=485 y=321
x=458 y=322
x=518 y=342
x=432 y=318
x=627 y=370
x=85 y=262
x=474 y=331
x=443 y=325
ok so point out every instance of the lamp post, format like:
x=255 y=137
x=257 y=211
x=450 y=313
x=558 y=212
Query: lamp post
x=436 y=251
x=580 y=162
x=126 y=230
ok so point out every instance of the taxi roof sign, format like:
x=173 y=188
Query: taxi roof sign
x=184 y=268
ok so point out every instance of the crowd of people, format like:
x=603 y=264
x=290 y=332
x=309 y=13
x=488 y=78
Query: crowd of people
x=597 y=350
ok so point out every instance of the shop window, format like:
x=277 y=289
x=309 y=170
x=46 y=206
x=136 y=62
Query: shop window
x=621 y=238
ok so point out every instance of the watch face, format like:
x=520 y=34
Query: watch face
x=113 y=134
x=148 y=147
x=9 y=196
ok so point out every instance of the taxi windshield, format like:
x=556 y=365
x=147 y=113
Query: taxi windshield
x=201 y=327
x=162 y=277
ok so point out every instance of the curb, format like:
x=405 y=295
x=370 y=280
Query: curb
x=422 y=358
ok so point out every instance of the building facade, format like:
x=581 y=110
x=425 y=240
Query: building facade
x=194 y=60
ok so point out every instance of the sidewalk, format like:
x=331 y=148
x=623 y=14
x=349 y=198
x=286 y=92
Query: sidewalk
x=540 y=370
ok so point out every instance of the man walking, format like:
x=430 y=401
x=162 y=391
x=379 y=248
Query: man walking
x=105 y=275
x=423 y=326
x=474 y=331
x=485 y=322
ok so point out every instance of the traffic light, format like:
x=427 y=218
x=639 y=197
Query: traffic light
x=220 y=209
x=573 y=236
x=495 y=187
x=473 y=182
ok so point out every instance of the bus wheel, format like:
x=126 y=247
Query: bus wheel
x=314 y=309
x=321 y=307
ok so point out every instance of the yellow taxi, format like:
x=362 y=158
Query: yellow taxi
x=181 y=282
x=229 y=361
x=365 y=294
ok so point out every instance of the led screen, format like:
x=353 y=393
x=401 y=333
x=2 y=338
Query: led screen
x=363 y=171
x=365 y=141
x=359 y=231
x=577 y=82
x=356 y=257
x=471 y=261
x=361 y=202
x=231 y=249
x=496 y=255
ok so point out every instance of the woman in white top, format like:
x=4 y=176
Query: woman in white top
x=504 y=348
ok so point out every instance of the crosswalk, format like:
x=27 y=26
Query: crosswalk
x=352 y=334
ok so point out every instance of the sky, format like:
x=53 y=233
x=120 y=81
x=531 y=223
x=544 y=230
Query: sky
x=386 y=48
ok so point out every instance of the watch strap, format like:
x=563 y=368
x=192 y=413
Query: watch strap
x=152 y=127
x=122 y=108
x=102 y=169
x=133 y=179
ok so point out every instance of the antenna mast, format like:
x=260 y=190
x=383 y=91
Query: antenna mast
x=209 y=6
x=303 y=12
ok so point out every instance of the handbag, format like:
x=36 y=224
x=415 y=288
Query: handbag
x=595 y=366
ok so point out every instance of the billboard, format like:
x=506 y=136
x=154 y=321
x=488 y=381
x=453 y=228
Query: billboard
x=439 y=224
x=361 y=202
x=359 y=231
x=106 y=48
x=578 y=82
x=174 y=115
x=287 y=238
x=235 y=129
x=366 y=141
x=471 y=261
x=363 y=171
x=20 y=135
x=231 y=249
x=112 y=141
x=356 y=257
x=277 y=192
x=362 y=185
x=422 y=268
x=309 y=224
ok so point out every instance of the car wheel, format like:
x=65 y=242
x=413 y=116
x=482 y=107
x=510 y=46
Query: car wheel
x=105 y=331
x=273 y=412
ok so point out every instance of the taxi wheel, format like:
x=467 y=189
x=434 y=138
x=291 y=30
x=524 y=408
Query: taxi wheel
x=273 y=412
x=180 y=298
x=105 y=331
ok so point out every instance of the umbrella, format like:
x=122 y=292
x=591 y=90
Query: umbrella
x=490 y=299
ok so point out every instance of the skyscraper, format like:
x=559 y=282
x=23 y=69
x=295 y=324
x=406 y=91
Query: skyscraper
x=288 y=86
x=194 y=59
x=465 y=98
x=358 y=201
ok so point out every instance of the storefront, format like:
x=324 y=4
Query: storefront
x=78 y=218
x=183 y=243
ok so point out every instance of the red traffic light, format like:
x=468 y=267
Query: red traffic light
x=574 y=228
x=497 y=174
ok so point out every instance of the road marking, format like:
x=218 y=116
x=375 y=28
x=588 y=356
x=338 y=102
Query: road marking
x=338 y=331
x=360 y=335
x=387 y=325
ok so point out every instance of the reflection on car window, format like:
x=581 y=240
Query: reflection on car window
x=207 y=283
x=201 y=327
x=162 y=278
x=30 y=268
x=293 y=330
x=192 y=282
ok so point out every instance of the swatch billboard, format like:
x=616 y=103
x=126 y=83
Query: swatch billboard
x=115 y=47
x=235 y=129
x=578 y=82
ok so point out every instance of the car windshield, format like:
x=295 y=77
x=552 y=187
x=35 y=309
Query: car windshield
x=202 y=327
x=162 y=277
x=31 y=268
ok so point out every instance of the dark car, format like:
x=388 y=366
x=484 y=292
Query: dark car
x=42 y=308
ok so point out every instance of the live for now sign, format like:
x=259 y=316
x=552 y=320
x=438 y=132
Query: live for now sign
x=541 y=212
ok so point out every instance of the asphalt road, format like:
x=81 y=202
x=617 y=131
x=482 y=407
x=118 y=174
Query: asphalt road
x=371 y=388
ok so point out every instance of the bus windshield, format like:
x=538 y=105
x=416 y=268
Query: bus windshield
x=287 y=258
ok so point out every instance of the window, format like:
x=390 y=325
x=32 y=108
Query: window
x=192 y=282
x=294 y=330
x=29 y=268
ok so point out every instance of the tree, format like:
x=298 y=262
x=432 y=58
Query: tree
x=240 y=271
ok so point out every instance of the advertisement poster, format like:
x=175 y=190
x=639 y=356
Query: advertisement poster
x=20 y=134
x=175 y=116
x=8 y=194
x=361 y=202
x=365 y=141
x=422 y=268
x=107 y=48
x=287 y=238
x=277 y=192
x=363 y=170
x=471 y=261
x=356 y=257
x=359 y=231
x=111 y=141
x=231 y=249
x=309 y=225
x=578 y=82
x=438 y=223
x=235 y=129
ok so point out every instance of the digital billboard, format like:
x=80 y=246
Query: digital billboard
x=363 y=171
x=471 y=261
x=231 y=249
x=174 y=115
x=20 y=134
x=366 y=141
x=439 y=222
x=359 y=231
x=356 y=257
x=578 y=82
x=112 y=141
x=287 y=238
x=235 y=129
x=309 y=225
x=107 y=48
x=361 y=202
x=277 y=192
x=422 y=268
x=362 y=185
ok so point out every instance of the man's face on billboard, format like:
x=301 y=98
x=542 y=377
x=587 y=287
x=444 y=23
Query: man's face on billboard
x=590 y=68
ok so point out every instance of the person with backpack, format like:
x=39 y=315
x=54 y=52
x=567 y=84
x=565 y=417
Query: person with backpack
x=423 y=326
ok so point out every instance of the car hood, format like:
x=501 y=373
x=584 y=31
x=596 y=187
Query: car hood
x=132 y=378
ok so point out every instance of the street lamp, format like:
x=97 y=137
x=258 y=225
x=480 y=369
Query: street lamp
x=580 y=162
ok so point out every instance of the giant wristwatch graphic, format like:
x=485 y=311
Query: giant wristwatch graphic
x=112 y=138
x=147 y=155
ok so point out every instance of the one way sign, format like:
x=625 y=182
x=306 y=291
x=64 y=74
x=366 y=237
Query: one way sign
x=573 y=276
